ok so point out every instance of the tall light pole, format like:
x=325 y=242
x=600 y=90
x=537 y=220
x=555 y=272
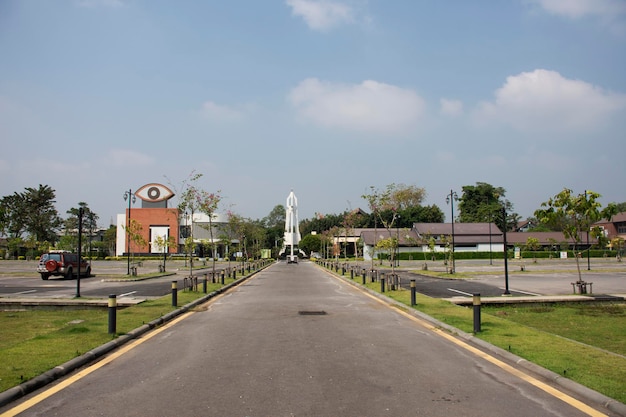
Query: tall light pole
x=490 y=255
x=450 y=199
x=128 y=195
x=588 y=248
x=506 y=254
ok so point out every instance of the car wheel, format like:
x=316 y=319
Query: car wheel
x=88 y=272
x=69 y=274
x=45 y=276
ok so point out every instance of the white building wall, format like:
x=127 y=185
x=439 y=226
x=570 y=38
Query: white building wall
x=120 y=242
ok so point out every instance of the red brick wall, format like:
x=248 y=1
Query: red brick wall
x=147 y=217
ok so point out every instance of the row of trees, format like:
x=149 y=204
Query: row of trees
x=399 y=206
x=31 y=223
x=30 y=220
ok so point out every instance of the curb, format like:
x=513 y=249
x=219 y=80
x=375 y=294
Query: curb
x=552 y=377
x=93 y=355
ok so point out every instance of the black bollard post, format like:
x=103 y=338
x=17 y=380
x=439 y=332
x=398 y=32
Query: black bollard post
x=476 y=304
x=363 y=275
x=382 y=282
x=413 y=292
x=112 y=314
x=351 y=273
x=204 y=283
x=174 y=294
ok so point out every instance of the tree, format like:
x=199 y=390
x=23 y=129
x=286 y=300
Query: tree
x=42 y=218
x=162 y=243
x=575 y=213
x=481 y=203
x=385 y=205
x=310 y=243
x=276 y=217
x=13 y=215
x=89 y=218
x=208 y=204
x=532 y=244
x=135 y=234
x=274 y=224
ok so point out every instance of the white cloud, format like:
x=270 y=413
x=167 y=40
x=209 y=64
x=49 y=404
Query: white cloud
x=219 y=112
x=321 y=15
x=579 y=8
x=370 y=106
x=451 y=107
x=545 y=100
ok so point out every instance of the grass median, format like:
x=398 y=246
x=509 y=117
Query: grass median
x=585 y=342
x=35 y=341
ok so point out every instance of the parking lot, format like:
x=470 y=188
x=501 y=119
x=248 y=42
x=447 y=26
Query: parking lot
x=546 y=277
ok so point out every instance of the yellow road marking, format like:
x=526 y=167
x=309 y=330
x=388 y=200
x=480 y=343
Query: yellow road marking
x=92 y=368
x=508 y=368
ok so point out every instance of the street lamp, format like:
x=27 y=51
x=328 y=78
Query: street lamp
x=588 y=248
x=450 y=199
x=128 y=195
x=506 y=254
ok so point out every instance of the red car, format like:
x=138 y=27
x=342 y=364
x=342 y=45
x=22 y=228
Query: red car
x=62 y=263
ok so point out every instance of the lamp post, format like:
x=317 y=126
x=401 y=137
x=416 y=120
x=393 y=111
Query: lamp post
x=450 y=199
x=128 y=195
x=490 y=256
x=506 y=255
x=397 y=260
x=588 y=248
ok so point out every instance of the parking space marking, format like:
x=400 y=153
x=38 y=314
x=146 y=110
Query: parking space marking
x=460 y=292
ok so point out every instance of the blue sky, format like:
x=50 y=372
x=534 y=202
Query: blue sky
x=324 y=97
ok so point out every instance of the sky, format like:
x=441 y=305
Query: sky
x=327 y=98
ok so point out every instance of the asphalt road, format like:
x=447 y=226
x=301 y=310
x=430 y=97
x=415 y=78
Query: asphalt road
x=18 y=279
x=296 y=341
x=546 y=277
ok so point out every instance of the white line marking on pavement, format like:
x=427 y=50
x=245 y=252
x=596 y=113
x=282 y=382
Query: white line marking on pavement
x=460 y=292
x=523 y=292
x=128 y=293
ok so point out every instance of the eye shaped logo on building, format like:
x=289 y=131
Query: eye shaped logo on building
x=154 y=193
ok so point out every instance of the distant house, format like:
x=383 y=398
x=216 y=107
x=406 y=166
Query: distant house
x=547 y=240
x=408 y=240
x=616 y=227
x=468 y=237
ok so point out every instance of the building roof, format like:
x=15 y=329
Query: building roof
x=618 y=218
x=466 y=229
x=544 y=238
x=406 y=237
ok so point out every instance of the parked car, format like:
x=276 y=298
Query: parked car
x=62 y=263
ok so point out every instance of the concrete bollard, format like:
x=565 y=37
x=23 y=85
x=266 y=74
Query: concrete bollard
x=476 y=304
x=174 y=294
x=112 y=314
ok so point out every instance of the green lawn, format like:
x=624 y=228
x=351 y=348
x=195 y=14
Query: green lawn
x=585 y=343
